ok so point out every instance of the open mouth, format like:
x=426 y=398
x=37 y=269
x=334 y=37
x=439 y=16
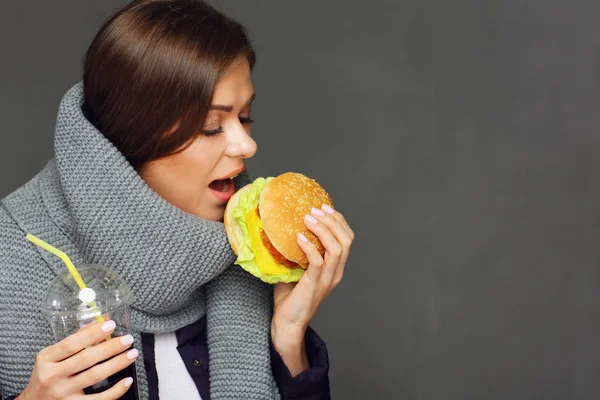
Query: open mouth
x=221 y=185
x=224 y=188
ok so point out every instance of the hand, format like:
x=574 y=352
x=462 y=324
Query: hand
x=55 y=375
x=296 y=304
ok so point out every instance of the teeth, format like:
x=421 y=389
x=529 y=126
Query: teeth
x=225 y=187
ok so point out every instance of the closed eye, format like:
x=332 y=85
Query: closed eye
x=212 y=132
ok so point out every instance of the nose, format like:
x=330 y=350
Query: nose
x=241 y=144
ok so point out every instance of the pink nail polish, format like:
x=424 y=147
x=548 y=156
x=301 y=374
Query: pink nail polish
x=128 y=382
x=108 y=326
x=317 y=212
x=328 y=209
x=133 y=354
x=302 y=237
x=127 y=339
x=311 y=219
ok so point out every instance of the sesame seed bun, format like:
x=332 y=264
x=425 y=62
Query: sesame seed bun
x=284 y=203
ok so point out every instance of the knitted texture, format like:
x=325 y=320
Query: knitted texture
x=92 y=204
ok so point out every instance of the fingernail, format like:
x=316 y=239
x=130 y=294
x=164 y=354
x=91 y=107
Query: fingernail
x=128 y=382
x=108 y=326
x=127 y=339
x=133 y=354
x=302 y=237
x=311 y=219
x=317 y=212
x=328 y=209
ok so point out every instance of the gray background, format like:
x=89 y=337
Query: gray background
x=460 y=138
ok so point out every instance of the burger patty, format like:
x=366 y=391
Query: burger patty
x=273 y=251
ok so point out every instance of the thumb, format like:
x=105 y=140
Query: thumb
x=281 y=291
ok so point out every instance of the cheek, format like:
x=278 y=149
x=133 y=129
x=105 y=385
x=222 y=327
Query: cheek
x=198 y=162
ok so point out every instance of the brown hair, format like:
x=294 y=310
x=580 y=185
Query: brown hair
x=153 y=66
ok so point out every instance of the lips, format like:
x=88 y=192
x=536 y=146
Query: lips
x=221 y=185
x=223 y=188
x=232 y=174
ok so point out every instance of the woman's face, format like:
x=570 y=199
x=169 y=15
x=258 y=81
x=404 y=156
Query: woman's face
x=197 y=180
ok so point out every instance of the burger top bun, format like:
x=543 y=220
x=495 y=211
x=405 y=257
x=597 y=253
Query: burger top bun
x=284 y=203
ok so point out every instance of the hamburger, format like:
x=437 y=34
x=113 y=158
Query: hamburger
x=263 y=220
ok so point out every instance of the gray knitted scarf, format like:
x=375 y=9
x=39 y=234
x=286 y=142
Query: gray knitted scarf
x=93 y=205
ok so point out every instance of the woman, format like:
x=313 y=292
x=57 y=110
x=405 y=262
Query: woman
x=142 y=146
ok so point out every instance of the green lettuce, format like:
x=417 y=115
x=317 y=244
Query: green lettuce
x=249 y=201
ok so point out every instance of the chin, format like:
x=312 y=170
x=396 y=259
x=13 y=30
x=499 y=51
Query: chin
x=215 y=213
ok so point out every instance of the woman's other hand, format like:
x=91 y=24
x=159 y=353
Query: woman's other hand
x=57 y=372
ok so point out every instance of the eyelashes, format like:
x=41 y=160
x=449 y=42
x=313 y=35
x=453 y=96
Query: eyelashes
x=212 y=132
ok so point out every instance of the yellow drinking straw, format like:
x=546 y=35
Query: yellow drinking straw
x=72 y=270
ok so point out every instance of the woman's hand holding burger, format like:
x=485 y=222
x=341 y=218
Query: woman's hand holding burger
x=297 y=303
x=285 y=232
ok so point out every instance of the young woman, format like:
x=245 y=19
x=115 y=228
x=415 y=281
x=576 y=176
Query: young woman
x=145 y=147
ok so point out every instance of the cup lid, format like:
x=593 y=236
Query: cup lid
x=105 y=291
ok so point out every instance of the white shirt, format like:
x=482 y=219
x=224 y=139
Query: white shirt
x=174 y=380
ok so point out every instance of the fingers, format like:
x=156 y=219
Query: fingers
x=102 y=371
x=336 y=236
x=340 y=234
x=86 y=336
x=315 y=262
x=115 y=392
x=344 y=235
x=95 y=354
x=340 y=218
x=281 y=291
x=333 y=250
x=337 y=226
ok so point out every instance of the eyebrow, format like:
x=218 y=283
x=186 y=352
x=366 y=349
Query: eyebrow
x=229 y=108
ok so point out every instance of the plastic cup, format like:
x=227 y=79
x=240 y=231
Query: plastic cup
x=106 y=296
